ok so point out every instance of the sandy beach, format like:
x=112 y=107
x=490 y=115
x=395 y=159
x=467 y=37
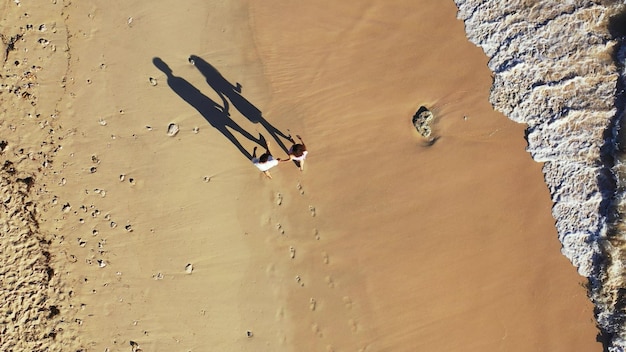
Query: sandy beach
x=161 y=235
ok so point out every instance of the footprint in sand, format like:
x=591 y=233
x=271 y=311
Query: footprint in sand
x=292 y=252
x=280 y=314
x=270 y=270
x=300 y=189
x=101 y=192
x=316 y=234
x=315 y=328
x=280 y=229
x=329 y=281
x=353 y=325
x=312 y=210
x=172 y=129
x=325 y=258
x=312 y=304
x=101 y=244
x=279 y=199
x=189 y=268
x=299 y=280
x=347 y=301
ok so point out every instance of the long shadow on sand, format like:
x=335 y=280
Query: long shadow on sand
x=215 y=114
x=226 y=89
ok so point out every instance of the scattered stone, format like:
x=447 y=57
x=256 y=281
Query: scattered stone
x=189 y=268
x=422 y=120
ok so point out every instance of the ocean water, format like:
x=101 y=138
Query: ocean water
x=558 y=67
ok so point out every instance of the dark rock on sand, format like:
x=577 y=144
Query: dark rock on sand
x=421 y=121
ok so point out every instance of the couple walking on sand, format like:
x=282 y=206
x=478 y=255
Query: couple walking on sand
x=297 y=153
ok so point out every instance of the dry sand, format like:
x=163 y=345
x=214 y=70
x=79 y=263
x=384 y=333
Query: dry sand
x=178 y=243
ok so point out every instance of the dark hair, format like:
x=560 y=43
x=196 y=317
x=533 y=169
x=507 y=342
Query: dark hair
x=298 y=149
x=263 y=158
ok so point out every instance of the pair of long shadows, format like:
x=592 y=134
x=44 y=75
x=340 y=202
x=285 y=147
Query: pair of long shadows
x=217 y=115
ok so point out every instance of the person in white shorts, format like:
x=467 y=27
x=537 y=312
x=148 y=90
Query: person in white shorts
x=266 y=161
x=298 y=152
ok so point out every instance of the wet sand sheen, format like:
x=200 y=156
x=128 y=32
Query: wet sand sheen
x=446 y=247
x=379 y=244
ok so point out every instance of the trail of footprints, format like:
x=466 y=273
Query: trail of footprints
x=314 y=304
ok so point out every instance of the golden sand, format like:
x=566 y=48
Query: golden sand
x=382 y=243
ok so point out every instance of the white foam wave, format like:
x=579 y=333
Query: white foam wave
x=555 y=72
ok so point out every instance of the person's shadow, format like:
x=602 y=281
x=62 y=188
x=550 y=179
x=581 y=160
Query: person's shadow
x=215 y=114
x=224 y=88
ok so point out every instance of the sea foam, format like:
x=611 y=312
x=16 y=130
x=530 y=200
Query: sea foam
x=557 y=68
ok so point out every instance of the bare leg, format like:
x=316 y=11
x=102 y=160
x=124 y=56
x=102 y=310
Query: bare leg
x=267 y=147
x=267 y=173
